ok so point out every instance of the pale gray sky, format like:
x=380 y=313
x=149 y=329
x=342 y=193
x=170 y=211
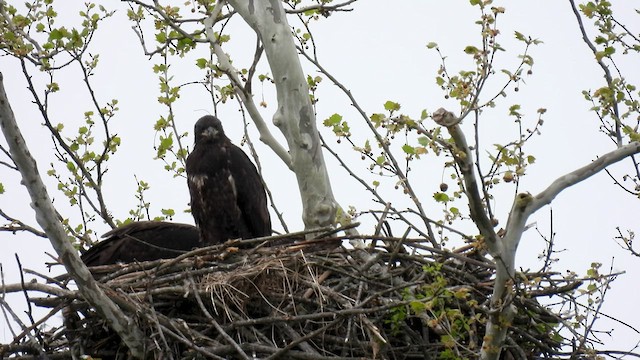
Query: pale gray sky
x=379 y=52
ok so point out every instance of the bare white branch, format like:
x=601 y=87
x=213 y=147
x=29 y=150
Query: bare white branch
x=576 y=176
x=501 y=312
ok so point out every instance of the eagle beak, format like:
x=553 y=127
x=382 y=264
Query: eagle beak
x=210 y=132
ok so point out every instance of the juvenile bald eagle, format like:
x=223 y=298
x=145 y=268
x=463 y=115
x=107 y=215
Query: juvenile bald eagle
x=142 y=241
x=228 y=200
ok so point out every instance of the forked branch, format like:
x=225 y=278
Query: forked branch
x=501 y=310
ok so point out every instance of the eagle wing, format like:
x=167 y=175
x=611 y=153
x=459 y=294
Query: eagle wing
x=228 y=198
x=213 y=190
x=251 y=195
x=142 y=241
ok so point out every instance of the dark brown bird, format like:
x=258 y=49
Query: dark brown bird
x=142 y=241
x=228 y=199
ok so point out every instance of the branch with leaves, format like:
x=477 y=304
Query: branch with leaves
x=503 y=249
x=616 y=104
x=47 y=218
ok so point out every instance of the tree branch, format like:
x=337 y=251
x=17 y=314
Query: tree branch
x=583 y=173
x=224 y=63
x=48 y=220
x=383 y=144
x=101 y=209
x=295 y=116
x=16 y=225
x=525 y=204
x=501 y=311
x=464 y=160
x=605 y=69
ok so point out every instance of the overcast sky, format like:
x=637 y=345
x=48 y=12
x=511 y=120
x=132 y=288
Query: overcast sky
x=379 y=52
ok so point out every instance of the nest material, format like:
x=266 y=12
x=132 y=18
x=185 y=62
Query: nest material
x=312 y=300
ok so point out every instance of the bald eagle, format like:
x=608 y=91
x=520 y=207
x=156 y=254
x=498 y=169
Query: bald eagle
x=228 y=199
x=142 y=241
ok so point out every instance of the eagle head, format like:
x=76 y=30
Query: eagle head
x=208 y=128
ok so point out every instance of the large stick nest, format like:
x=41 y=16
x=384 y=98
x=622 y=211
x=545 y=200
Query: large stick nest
x=396 y=299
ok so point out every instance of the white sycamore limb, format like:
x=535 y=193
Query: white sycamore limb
x=295 y=117
x=503 y=249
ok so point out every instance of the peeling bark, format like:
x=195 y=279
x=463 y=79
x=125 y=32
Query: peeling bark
x=48 y=220
x=295 y=117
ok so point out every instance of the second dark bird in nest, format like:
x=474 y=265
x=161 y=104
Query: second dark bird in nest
x=228 y=199
x=142 y=241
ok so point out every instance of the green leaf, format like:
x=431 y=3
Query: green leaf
x=417 y=307
x=424 y=141
x=588 y=9
x=333 y=120
x=432 y=45
x=1 y=188
x=377 y=119
x=166 y=142
x=609 y=50
x=474 y=2
x=160 y=124
x=55 y=34
x=441 y=197
x=531 y=159
x=600 y=40
x=391 y=106
x=201 y=63
x=520 y=36
x=408 y=149
x=53 y=87
x=461 y=293
x=161 y=37
x=159 y=68
x=311 y=11
x=633 y=135
x=471 y=50
x=448 y=340
x=168 y=212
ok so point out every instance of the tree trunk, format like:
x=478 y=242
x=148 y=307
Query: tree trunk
x=295 y=117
